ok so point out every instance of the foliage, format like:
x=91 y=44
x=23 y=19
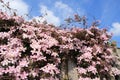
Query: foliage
x=30 y=50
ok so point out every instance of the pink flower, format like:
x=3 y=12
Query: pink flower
x=109 y=51
x=88 y=49
x=92 y=69
x=1 y=71
x=35 y=45
x=98 y=49
x=34 y=73
x=23 y=75
x=11 y=69
x=5 y=62
x=4 y=35
x=12 y=54
x=115 y=71
x=87 y=55
x=41 y=58
x=18 y=69
x=50 y=68
x=96 y=79
x=81 y=70
x=23 y=63
x=54 y=54
x=89 y=32
x=104 y=37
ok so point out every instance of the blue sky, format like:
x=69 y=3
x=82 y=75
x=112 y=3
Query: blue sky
x=107 y=11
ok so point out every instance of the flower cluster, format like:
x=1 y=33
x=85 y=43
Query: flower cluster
x=34 y=51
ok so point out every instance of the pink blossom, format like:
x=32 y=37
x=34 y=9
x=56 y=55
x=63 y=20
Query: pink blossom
x=89 y=49
x=87 y=55
x=11 y=69
x=4 y=35
x=50 y=68
x=23 y=63
x=109 y=50
x=96 y=78
x=24 y=75
x=81 y=70
x=54 y=54
x=98 y=49
x=18 y=69
x=41 y=58
x=5 y=62
x=89 y=32
x=18 y=19
x=115 y=71
x=1 y=71
x=34 y=73
x=92 y=69
x=104 y=37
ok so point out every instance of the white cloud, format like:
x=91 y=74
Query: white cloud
x=58 y=12
x=64 y=9
x=115 y=29
x=19 y=5
x=50 y=17
x=61 y=5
